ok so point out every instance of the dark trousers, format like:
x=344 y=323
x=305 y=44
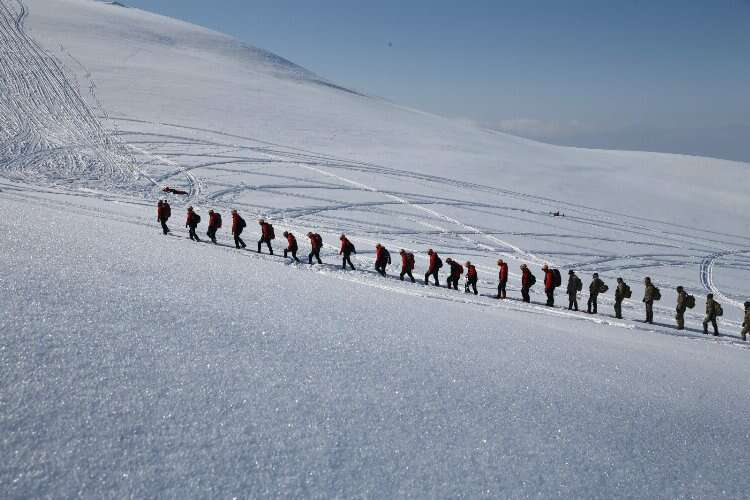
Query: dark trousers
x=501 y=289
x=212 y=233
x=618 y=309
x=550 y=296
x=649 y=312
x=525 y=294
x=380 y=268
x=238 y=241
x=193 y=236
x=434 y=274
x=471 y=282
x=453 y=282
x=268 y=244
x=347 y=260
x=407 y=272
x=592 y=304
x=680 y=317
x=293 y=252
x=572 y=302
x=315 y=253
x=164 y=226
x=712 y=320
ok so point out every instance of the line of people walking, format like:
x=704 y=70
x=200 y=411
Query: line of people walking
x=552 y=277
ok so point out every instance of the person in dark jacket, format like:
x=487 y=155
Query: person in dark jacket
x=648 y=299
x=595 y=288
x=347 y=249
x=681 y=307
x=572 y=290
x=549 y=285
x=162 y=215
x=471 y=278
x=382 y=259
x=525 y=283
x=316 y=244
x=168 y=189
x=192 y=221
x=214 y=223
x=292 y=247
x=711 y=314
x=455 y=274
x=433 y=268
x=266 y=235
x=746 y=322
x=407 y=265
x=502 y=276
x=620 y=293
x=238 y=225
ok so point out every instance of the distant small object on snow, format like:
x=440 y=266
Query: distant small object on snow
x=557 y=214
x=390 y=44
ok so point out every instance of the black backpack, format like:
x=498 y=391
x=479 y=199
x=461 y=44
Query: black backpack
x=556 y=278
x=242 y=222
x=718 y=309
x=603 y=288
x=196 y=219
x=318 y=240
x=218 y=220
x=579 y=284
x=387 y=255
x=690 y=301
x=532 y=280
x=271 y=233
x=439 y=263
x=352 y=249
x=657 y=294
x=626 y=292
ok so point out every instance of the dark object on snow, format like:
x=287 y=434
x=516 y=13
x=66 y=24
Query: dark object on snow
x=168 y=189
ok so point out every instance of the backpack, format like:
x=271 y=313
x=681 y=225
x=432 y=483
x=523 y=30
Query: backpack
x=657 y=294
x=410 y=260
x=242 y=222
x=556 y=278
x=318 y=239
x=351 y=247
x=218 y=220
x=386 y=255
x=603 y=288
x=579 y=284
x=271 y=233
x=532 y=280
x=626 y=291
x=196 y=219
x=439 y=263
x=690 y=301
x=718 y=309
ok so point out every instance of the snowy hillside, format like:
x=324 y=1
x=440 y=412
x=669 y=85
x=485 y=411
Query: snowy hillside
x=135 y=364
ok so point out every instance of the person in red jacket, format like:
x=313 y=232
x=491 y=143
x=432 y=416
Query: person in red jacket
x=382 y=258
x=192 y=221
x=456 y=271
x=347 y=249
x=526 y=282
x=549 y=285
x=471 y=278
x=316 y=243
x=407 y=264
x=238 y=225
x=432 y=270
x=266 y=235
x=503 y=277
x=162 y=215
x=291 y=245
x=214 y=223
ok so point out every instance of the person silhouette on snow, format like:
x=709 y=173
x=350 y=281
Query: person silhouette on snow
x=502 y=276
x=649 y=295
x=455 y=273
x=574 y=286
x=191 y=222
x=347 y=249
x=746 y=322
x=595 y=288
x=681 y=307
x=549 y=285
x=316 y=244
x=238 y=225
x=214 y=223
x=433 y=268
x=382 y=259
x=527 y=281
x=471 y=278
x=266 y=235
x=622 y=292
x=407 y=265
x=712 y=312
x=291 y=246
x=163 y=213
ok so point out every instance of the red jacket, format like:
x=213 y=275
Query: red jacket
x=161 y=213
x=345 y=246
x=433 y=263
x=548 y=279
x=471 y=272
x=407 y=261
x=214 y=221
x=265 y=230
x=381 y=255
x=525 y=277
x=236 y=227
x=315 y=241
x=191 y=219
x=456 y=269
x=503 y=275
x=292 y=241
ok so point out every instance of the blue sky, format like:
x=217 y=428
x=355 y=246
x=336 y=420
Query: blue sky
x=658 y=75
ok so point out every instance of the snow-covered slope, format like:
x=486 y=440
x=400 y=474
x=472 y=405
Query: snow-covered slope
x=135 y=364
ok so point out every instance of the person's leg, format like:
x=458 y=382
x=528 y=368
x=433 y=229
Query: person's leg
x=474 y=287
x=410 y=276
x=401 y=276
x=744 y=333
x=237 y=241
x=588 y=305
x=716 y=327
x=570 y=302
x=504 y=291
x=268 y=244
x=294 y=255
x=317 y=256
x=595 y=304
x=260 y=242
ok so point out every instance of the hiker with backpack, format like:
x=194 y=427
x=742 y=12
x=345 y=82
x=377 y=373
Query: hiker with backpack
x=622 y=292
x=432 y=270
x=407 y=265
x=471 y=278
x=681 y=307
x=192 y=221
x=162 y=216
x=382 y=259
x=238 y=224
x=575 y=285
x=316 y=244
x=502 y=278
x=214 y=223
x=292 y=247
x=746 y=322
x=455 y=273
x=650 y=294
x=347 y=249
x=713 y=311
x=596 y=287
x=527 y=281
x=550 y=283
x=266 y=235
